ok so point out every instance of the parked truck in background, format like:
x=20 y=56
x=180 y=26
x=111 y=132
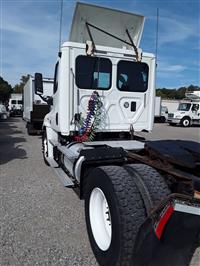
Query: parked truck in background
x=138 y=211
x=15 y=104
x=3 y=112
x=35 y=108
x=188 y=112
x=161 y=112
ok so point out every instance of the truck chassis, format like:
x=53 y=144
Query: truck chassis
x=159 y=179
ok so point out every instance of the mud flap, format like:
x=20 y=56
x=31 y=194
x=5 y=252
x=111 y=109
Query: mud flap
x=168 y=237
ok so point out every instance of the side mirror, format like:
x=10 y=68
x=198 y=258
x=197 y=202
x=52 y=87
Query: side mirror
x=38 y=84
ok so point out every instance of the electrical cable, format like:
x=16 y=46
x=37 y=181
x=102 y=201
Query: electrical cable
x=90 y=124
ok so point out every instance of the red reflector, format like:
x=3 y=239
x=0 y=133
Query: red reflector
x=163 y=220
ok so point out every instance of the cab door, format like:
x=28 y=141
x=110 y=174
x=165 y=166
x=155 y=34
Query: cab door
x=195 y=111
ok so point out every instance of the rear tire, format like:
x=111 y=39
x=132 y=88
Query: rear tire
x=163 y=119
x=154 y=182
x=114 y=211
x=30 y=129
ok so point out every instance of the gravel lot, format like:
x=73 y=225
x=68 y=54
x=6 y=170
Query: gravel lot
x=42 y=223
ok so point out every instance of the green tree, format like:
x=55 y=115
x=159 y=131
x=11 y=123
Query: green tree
x=175 y=93
x=5 y=90
x=193 y=88
x=18 y=88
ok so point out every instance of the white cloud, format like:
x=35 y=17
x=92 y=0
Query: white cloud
x=31 y=31
x=164 y=67
x=30 y=41
x=173 y=30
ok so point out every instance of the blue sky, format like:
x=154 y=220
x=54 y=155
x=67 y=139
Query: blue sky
x=30 y=34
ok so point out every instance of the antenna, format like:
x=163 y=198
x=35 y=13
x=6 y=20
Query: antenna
x=60 y=33
x=157 y=23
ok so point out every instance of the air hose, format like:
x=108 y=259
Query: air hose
x=90 y=124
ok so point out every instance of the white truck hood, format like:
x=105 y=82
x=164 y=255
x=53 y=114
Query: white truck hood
x=180 y=113
x=110 y=20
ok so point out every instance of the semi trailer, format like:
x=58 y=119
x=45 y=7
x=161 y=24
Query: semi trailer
x=35 y=108
x=142 y=198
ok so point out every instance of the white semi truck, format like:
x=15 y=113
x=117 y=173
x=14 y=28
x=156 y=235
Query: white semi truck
x=188 y=112
x=142 y=199
x=36 y=108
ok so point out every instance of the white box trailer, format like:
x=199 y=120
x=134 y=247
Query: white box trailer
x=161 y=112
x=157 y=106
x=171 y=105
x=15 y=104
x=35 y=108
x=105 y=91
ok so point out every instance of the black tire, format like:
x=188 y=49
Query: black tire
x=172 y=124
x=45 y=151
x=153 y=181
x=30 y=129
x=163 y=119
x=185 y=122
x=126 y=209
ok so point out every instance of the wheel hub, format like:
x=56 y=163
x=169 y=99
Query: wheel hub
x=186 y=122
x=45 y=148
x=100 y=219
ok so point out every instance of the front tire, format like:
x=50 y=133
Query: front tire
x=45 y=147
x=114 y=211
x=185 y=122
x=172 y=124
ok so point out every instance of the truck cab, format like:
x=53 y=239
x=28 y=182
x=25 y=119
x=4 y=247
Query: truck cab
x=188 y=112
x=104 y=92
x=15 y=104
x=125 y=87
x=105 y=71
x=107 y=62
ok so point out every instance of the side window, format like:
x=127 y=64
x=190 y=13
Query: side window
x=55 y=84
x=132 y=76
x=93 y=72
x=195 y=107
x=13 y=101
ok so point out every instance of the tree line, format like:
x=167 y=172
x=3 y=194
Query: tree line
x=175 y=93
x=6 y=89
